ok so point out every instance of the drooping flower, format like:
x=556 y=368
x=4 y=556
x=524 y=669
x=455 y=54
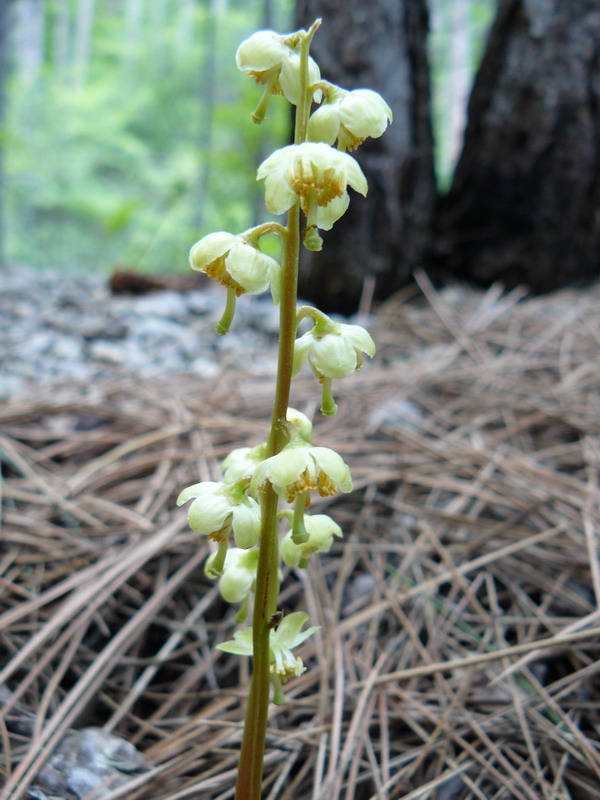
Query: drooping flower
x=349 y=117
x=333 y=349
x=316 y=174
x=320 y=529
x=219 y=509
x=238 y=575
x=240 y=464
x=300 y=468
x=270 y=58
x=236 y=263
x=282 y=640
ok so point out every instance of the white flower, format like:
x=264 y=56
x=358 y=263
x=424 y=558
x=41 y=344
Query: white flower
x=301 y=423
x=349 y=118
x=300 y=468
x=219 y=509
x=315 y=173
x=333 y=349
x=233 y=262
x=268 y=57
x=241 y=463
x=320 y=529
x=286 y=636
x=239 y=573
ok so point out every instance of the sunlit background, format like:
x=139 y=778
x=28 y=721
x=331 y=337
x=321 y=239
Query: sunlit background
x=127 y=132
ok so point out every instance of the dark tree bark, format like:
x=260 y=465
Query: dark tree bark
x=524 y=205
x=379 y=45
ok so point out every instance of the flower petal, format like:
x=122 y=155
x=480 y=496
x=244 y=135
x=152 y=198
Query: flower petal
x=365 y=113
x=328 y=215
x=302 y=347
x=324 y=124
x=291 y=553
x=356 y=178
x=301 y=423
x=275 y=280
x=334 y=356
x=286 y=466
x=208 y=514
x=261 y=51
x=209 y=248
x=360 y=337
x=334 y=466
x=289 y=77
x=279 y=196
x=289 y=628
x=234 y=585
x=246 y=524
x=241 y=463
x=321 y=530
x=241 y=645
x=249 y=267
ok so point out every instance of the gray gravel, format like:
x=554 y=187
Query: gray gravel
x=56 y=328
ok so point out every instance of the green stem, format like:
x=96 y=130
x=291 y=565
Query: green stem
x=249 y=779
x=328 y=404
x=260 y=111
x=223 y=325
x=299 y=534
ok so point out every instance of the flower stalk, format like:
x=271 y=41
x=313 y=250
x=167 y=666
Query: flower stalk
x=309 y=178
x=249 y=778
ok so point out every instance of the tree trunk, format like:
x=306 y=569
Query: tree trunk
x=30 y=47
x=61 y=38
x=83 y=40
x=523 y=205
x=379 y=45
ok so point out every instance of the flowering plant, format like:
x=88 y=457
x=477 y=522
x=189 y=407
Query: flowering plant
x=312 y=177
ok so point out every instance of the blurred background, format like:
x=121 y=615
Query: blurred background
x=126 y=133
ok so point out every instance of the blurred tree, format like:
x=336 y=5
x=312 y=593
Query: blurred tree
x=83 y=39
x=5 y=23
x=381 y=45
x=61 y=38
x=208 y=91
x=30 y=34
x=524 y=205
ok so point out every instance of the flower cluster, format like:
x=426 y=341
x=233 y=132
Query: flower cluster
x=312 y=176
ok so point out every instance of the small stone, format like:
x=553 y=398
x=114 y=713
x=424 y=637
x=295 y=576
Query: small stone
x=162 y=304
x=204 y=367
x=107 y=352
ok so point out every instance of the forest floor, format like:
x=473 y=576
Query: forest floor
x=460 y=614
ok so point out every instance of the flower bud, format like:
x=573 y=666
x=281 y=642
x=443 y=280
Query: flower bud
x=240 y=464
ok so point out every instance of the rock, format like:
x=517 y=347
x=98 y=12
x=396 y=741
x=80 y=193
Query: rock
x=71 y=328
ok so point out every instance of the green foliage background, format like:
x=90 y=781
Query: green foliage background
x=112 y=171
x=133 y=159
